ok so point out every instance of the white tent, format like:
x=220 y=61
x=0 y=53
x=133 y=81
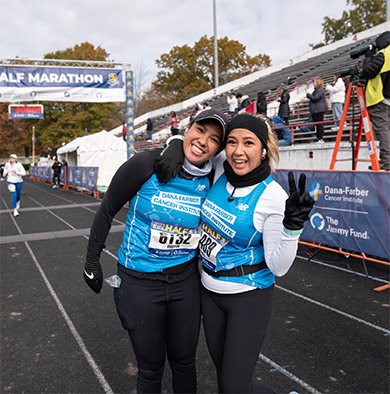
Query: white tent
x=102 y=150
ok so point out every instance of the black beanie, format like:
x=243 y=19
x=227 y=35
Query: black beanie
x=256 y=125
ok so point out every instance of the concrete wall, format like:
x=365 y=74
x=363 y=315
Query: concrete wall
x=317 y=156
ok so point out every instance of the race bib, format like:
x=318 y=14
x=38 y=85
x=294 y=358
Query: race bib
x=168 y=239
x=11 y=187
x=210 y=243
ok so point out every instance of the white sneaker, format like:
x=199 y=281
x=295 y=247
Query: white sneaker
x=53 y=187
x=18 y=205
x=16 y=213
x=321 y=141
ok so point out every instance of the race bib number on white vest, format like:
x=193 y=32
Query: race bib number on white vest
x=210 y=243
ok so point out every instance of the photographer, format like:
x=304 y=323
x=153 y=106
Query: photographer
x=376 y=69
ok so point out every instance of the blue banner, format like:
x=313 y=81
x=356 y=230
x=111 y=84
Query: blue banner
x=351 y=209
x=82 y=177
x=61 y=84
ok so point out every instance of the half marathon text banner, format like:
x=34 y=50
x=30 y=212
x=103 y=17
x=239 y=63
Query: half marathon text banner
x=351 y=209
x=61 y=84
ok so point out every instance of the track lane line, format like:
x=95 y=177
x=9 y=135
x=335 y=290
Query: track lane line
x=99 y=375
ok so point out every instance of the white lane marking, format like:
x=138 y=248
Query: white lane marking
x=334 y=310
x=102 y=380
x=289 y=374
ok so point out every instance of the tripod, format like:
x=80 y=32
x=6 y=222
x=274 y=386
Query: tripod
x=364 y=122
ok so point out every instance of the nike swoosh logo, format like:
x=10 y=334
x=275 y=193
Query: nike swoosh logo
x=90 y=276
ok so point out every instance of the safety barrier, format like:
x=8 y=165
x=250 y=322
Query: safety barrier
x=351 y=212
x=83 y=179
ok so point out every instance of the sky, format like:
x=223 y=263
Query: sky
x=140 y=31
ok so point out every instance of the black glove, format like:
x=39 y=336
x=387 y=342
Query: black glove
x=168 y=164
x=93 y=275
x=298 y=205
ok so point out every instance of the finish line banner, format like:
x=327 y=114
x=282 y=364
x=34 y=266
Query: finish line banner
x=61 y=84
x=351 y=209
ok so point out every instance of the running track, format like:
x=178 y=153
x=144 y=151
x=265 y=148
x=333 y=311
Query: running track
x=329 y=331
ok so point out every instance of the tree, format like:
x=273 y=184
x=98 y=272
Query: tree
x=187 y=71
x=62 y=121
x=366 y=14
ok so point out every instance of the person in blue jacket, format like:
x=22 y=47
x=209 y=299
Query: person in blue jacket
x=250 y=230
x=158 y=300
x=284 y=134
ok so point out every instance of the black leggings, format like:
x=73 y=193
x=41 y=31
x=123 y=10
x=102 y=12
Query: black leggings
x=162 y=319
x=319 y=117
x=235 y=326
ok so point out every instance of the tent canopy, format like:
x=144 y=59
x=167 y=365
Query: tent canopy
x=102 y=150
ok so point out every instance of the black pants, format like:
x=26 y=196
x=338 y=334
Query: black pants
x=319 y=117
x=163 y=319
x=235 y=326
x=56 y=179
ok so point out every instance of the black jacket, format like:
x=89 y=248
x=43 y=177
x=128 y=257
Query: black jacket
x=57 y=168
x=284 y=108
x=317 y=101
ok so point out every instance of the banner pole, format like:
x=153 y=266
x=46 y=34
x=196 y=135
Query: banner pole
x=33 y=145
x=130 y=139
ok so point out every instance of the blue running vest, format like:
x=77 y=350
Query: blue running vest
x=162 y=226
x=229 y=237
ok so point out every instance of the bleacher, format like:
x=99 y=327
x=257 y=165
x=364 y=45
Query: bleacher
x=302 y=73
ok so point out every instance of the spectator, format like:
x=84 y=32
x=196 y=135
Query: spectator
x=261 y=105
x=124 y=131
x=56 y=173
x=14 y=172
x=149 y=129
x=233 y=103
x=318 y=107
x=174 y=123
x=243 y=101
x=284 y=134
x=377 y=70
x=337 y=98
x=2 y=165
x=203 y=106
x=194 y=113
x=284 y=108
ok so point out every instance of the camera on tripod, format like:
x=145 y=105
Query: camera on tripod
x=354 y=72
x=362 y=51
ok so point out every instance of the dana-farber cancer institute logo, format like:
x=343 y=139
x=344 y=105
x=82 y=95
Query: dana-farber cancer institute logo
x=315 y=191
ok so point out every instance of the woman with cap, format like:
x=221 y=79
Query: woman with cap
x=250 y=230
x=158 y=298
x=14 y=171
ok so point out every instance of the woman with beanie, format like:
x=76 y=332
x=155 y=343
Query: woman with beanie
x=337 y=98
x=250 y=231
x=318 y=107
x=158 y=297
x=14 y=171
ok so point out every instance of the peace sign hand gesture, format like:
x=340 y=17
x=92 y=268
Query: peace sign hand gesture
x=298 y=205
